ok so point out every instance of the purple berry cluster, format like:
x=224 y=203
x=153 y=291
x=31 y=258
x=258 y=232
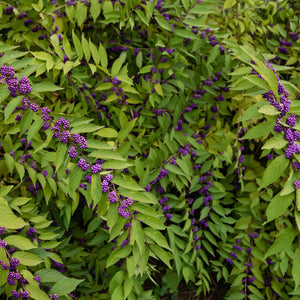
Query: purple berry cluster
x=83 y=164
x=290 y=134
x=117 y=89
x=31 y=231
x=123 y=209
x=297 y=184
x=284 y=43
x=166 y=208
x=239 y=157
x=14 y=85
x=4 y=265
x=206 y=183
x=13 y=276
x=161 y=175
x=113 y=197
x=21 y=294
x=106 y=183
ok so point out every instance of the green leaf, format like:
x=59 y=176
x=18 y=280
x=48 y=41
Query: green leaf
x=276 y=142
x=127 y=183
x=241 y=71
x=186 y=166
x=45 y=87
x=77 y=44
x=157 y=237
x=42 y=55
x=107 y=132
x=38 y=6
x=124 y=132
x=26 y=121
x=34 y=128
x=289 y=187
x=20 y=169
x=158 y=89
x=139 y=59
x=115 y=69
x=143 y=197
x=116 y=165
x=116 y=281
x=10 y=56
x=65 y=286
x=137 y=235
x=283 y=242
x=142 y=17
x=107 y=154
x=112 y=215
x=174 y=169
x=206 y=7
x=128 y=286
x=130 y=266
x=118 y=293
x=145 y=209
x=6 y=48
x=296 y=269
x=35 y=292
x=298 y=199
x=95 y=53
x=81 y=13
x=20 y=242
x=199 y=21
x=151 y=221
x=93 y=225
x=278 y=206
x=268 y=110
x=145 y=69
x=55 y=43
x=33 y=288
x=274 y=170
x=107 y=7
x=186 y=34
x=75 y=179
x=7 y=217
x=11 y=106
x=103 y=56
x=5 y=190
x=96 y=189
x=243 y=223
x=213 y=55
x=188 y=274
x=84 y=128
x=262 y=129
x=60 y=154
x=116 y=255
x=85 y=47
x=258 y=82
x=163 y=23
x=4 y=93
x=48 y=235
x=95 y=9
x=297 y=218
x=3 y=273
x=50 y=275
x=27 y=258
x=242 y=84
x=161 y=254
x=99 y=238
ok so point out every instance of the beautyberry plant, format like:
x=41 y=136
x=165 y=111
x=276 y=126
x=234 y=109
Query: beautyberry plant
x=149 y=148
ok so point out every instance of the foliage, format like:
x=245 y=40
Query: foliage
x=145 y=144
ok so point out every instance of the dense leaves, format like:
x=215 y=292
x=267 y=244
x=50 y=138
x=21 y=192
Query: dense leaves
x=147 y=146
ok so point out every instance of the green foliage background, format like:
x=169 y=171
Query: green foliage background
x=181 y=44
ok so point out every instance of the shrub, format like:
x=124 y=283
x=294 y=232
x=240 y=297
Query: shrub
x=149 y=142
